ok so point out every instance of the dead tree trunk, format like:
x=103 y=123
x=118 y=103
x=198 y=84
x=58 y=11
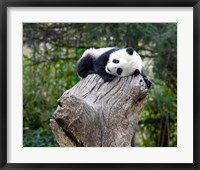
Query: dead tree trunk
x=98 y=114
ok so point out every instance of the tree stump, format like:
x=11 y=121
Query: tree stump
x=98 y=114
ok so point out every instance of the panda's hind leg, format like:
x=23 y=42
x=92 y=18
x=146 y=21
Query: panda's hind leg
x=147 y=81
x=85 y=66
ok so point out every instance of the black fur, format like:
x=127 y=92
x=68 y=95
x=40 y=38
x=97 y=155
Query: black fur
x=136 y=72
x=147 y=81
x=85 y=66
x=130 y=50
x=89 y=65
x=115 y=61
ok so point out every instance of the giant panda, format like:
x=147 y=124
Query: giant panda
x=111 y=62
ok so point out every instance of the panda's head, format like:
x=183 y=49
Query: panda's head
x=123 y=62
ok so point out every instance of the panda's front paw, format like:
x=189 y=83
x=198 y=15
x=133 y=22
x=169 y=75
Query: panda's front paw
x=108 y=78
x=136 y=72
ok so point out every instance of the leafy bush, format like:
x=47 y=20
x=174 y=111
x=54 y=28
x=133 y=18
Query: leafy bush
x=42 y=137
x=158 y=120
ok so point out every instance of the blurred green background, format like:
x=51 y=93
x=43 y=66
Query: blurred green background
x=50 y=53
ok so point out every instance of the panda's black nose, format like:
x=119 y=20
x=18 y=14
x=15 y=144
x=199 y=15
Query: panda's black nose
x=130 y=50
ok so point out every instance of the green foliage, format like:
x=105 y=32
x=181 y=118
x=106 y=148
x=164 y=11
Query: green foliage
x=50 y=53
x=41 y=137
x=43 y=84
x=158 y=120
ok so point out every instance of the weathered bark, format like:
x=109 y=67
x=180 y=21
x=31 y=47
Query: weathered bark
x=94 y=113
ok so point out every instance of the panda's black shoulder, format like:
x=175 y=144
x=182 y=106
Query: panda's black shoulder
x=103 y=58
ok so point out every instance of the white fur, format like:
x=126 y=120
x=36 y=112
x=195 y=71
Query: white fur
x=129 y=63
x=96 y=52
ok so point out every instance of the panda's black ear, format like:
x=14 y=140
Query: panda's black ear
x=130 y=50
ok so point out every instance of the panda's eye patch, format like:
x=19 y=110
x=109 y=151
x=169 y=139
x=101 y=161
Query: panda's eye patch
x=115 y=61
x=119 y=71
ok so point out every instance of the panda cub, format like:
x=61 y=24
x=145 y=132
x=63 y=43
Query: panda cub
x=110 y=62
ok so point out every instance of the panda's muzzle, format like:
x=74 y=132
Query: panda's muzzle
x=108 y=69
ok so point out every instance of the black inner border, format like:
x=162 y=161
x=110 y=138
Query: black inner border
x=4 y=4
